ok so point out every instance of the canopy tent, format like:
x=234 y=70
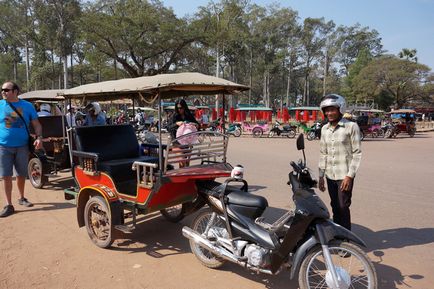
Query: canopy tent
x=43 y=95
x=148 y=87
x=306 y=113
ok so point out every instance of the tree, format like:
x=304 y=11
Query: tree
x=145 y=38
x=402 y=79
x=408 y=54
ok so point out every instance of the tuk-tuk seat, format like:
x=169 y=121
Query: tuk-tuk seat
x=117 y=149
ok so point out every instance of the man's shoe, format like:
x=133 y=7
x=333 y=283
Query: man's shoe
x=24 y=202
x=7 y=211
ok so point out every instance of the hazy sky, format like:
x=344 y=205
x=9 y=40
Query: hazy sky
x=401 y=23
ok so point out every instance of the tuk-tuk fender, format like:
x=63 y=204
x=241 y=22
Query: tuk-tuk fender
x=331 y=231
x=110 y=197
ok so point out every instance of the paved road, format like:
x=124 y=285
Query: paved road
x=42 y=247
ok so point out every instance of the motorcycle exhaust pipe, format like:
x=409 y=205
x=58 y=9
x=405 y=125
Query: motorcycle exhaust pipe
x=195 y=237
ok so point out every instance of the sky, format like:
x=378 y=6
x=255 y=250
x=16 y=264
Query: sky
x=400 y=23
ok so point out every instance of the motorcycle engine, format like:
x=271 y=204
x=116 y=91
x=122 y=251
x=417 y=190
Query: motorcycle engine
x=257 y=256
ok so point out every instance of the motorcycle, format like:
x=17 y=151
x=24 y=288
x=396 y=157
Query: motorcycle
x=315 y=132
x=279 y=130
x=303 y=241
x=390 y=130
x=234 y=129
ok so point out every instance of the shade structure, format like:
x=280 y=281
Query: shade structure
x=44 y=95
x=232 y=114
x=147 y=87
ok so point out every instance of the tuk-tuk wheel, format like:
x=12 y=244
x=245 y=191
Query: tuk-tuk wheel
x=174 y=214
x=98 y=222
x=34 y=171
x=257 y=132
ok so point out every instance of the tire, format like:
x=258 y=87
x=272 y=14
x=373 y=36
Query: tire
x=174 y=214
x=388 y=133
x=257 y=132
x=98 y=222
x=291 y=134
x=271 y=133
x=362 y=135
x=346 y=257
x=237 y=132
x=35 y=173
x=311 y=135
x=199 y=224
x=412 y=132
x=380 y=133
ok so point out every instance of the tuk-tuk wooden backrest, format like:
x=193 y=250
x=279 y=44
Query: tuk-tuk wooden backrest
x=52 y=126
x=210 y=147
x=110 y=142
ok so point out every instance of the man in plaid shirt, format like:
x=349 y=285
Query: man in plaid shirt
x=340 y=156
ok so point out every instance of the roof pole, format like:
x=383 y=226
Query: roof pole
x=160 y=145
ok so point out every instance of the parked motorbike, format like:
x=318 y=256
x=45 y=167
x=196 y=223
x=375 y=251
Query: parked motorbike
x=390 y=130
x=303 y=241
x=234 y=129
x=279 y=130
x=315 y=132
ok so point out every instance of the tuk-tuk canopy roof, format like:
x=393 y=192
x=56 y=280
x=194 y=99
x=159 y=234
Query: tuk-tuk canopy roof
x=147 y=87
x=305 y=108
x=404 y=110
x=258 y=108
x=46 y=95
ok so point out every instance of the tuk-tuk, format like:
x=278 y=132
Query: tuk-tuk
x=115 y=179
x=54 y=155
x=404 y=120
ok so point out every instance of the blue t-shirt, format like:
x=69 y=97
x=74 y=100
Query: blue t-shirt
x=13 y=132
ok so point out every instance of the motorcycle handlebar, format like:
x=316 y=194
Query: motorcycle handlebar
x=295 y=166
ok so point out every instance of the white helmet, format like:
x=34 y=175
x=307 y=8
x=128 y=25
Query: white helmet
x=96 y=107
x=45 y=107
x=334 y=100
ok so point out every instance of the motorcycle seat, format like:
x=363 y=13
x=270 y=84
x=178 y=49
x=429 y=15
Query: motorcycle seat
x=246 y=199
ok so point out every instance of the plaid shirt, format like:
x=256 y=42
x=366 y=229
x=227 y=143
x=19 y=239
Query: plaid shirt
x=340 y=150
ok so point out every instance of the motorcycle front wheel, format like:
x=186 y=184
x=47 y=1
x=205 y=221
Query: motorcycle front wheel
x=352 y=265
x=237 y=132
x=204 y=222
x=311 y=135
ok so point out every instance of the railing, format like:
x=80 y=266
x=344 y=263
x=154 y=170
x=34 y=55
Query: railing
x=146 y=174
x=196 y=148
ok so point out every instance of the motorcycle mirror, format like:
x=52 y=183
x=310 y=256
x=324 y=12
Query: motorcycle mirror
x=300 y=142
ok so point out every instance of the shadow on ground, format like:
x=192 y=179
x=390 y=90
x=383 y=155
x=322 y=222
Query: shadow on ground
x=388 y=276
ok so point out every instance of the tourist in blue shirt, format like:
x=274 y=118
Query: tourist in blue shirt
x=14 y=138
x=94 y=115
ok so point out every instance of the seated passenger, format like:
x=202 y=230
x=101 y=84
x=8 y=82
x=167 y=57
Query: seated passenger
x=44 y=110
x=94 y=115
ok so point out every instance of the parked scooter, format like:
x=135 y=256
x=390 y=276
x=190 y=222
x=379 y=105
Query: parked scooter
x=234 y=129
x=390 y=130
x=279 y=130
x=303 y=241
x=315 y=132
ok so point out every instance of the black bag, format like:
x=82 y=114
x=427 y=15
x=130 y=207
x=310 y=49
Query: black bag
x=30 y=143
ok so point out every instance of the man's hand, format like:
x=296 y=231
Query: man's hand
x=37 y=144
x=346 y=184
x=321 y=184
x=179 y=123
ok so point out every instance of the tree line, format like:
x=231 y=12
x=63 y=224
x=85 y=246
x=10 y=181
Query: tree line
x=286 y=60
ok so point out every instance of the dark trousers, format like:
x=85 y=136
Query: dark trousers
x=340 y=202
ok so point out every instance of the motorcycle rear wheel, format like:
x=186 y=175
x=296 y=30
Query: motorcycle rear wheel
x=271 y=134
x=351 y=263
x=199 y=225
x=291 y=134
x=237 y=132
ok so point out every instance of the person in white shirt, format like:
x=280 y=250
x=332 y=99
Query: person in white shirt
x=70 y=116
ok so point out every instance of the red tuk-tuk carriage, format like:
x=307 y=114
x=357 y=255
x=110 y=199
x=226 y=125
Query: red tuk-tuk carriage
x=404 y=119
x=114 y=179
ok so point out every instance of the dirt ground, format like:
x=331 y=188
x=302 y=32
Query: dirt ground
x=42 y=247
